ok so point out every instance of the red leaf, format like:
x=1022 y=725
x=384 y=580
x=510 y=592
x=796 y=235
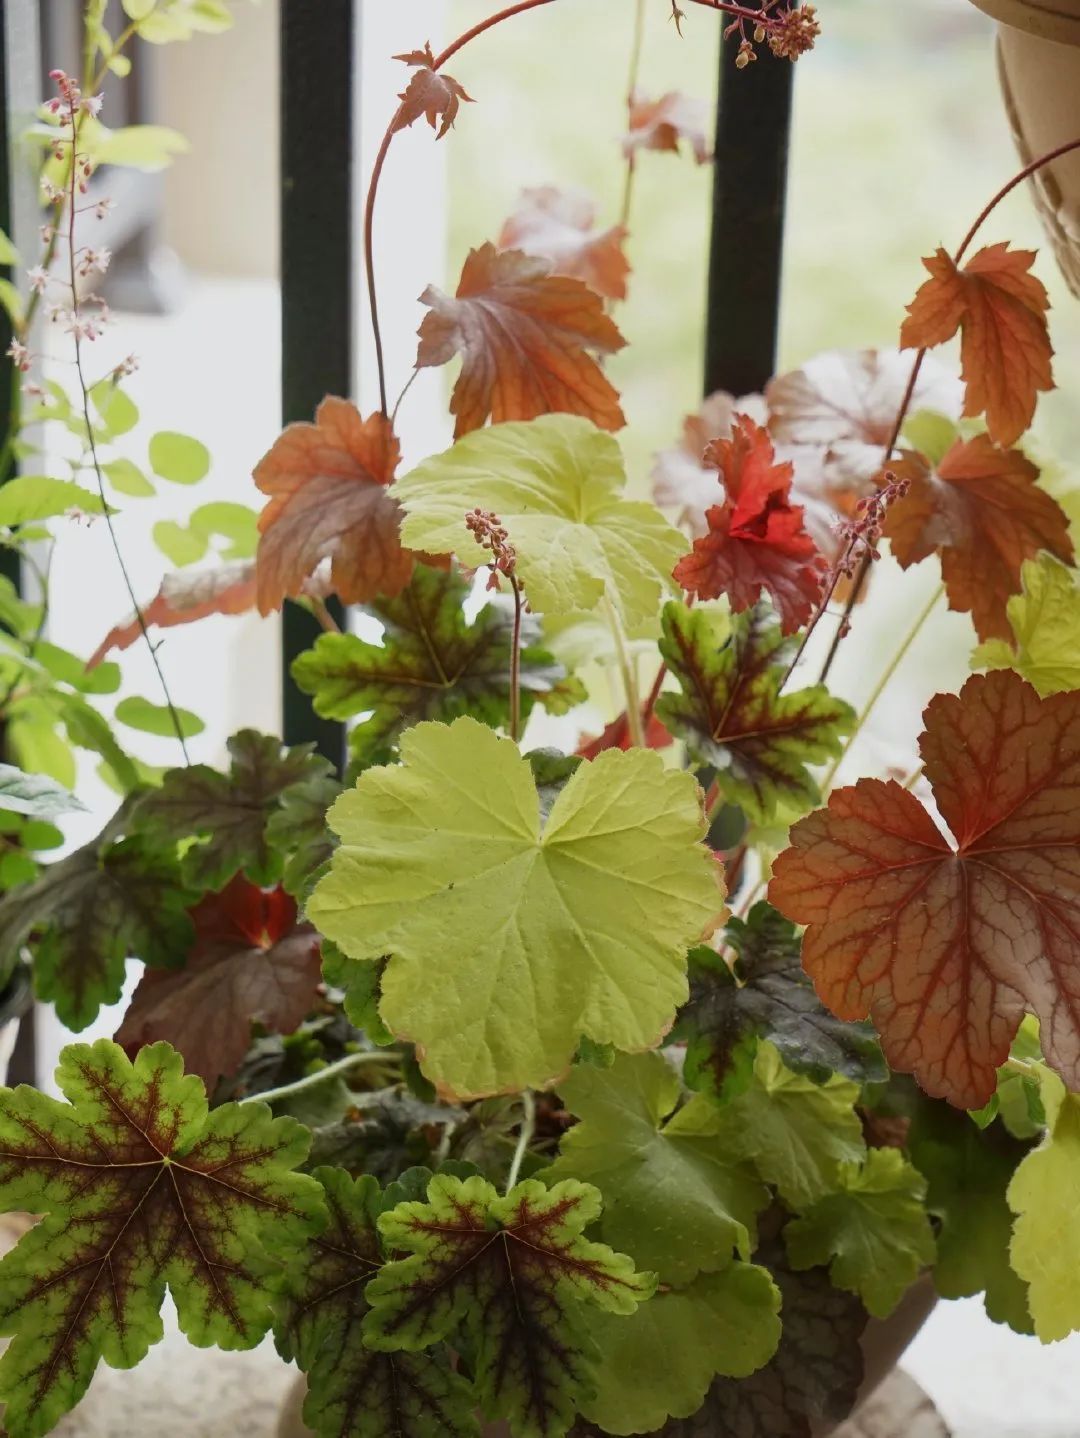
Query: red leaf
x=617 y=736
x=251 y=963
x=662 y=124
x=522 y=334
x=756 y=539
x=985 y=514
x=429 y=93
x=945 y=945
x=1000 y=311
x=185 y=596
x=557 y=225
x=328 y=484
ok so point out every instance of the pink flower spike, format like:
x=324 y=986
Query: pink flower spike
x=19 y=355
x=38 y=278
x=92 y=104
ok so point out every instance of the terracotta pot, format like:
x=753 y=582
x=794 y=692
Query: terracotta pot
x=883 y=1343
x=1038 y=51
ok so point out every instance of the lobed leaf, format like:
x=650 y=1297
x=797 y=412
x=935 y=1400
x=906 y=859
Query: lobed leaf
x=429 y=94
x=1044 y=617
x=662 y=124
x=558 y=226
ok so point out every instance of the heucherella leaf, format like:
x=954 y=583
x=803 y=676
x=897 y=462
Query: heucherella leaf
x=144 y=1189
x=229 y=812
x=353 y=1390
x=675 y=1198
x=298 y=827
x=34 y=794
x=1045 y=620
x=432 y=664
x=731 y=712
x=514 y=1280
x=30 y=497
x=556 y=484
x=544 y=931
x=660 y=1361
x=765 y=994
x=873 y=1232
x=1045 y=1249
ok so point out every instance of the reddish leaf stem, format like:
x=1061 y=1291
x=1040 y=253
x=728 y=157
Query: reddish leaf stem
x=515 y=662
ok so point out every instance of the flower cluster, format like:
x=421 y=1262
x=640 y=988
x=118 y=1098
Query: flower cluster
x=488 y=531
x=788 y=33
x=860 y=535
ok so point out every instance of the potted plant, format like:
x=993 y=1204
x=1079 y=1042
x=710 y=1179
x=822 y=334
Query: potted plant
x=651 y=1088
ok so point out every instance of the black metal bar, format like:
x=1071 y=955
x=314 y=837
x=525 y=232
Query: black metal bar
x=753 y=119
x=317 y=262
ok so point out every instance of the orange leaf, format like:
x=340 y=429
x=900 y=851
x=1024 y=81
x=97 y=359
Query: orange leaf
x=329 y=499
x=185 y=596
x=557 y=225
x=1000 y=311
x=616 y=735
x=946 y=944
x=662 y=124
x=429 y=93
x=757 y=538
x=984 y=513
x=522 y=333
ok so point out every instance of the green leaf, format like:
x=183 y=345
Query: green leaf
x=88 y=729
x=930 y=433
x=178 y=458
x=69 y=669
x=12 y=305
x=677 y=1201
x=36 y=744
x=542 y=934
x=229 y=812
x=354 y=1391
x=968 y=1171
x=556 y=484
x=35 y=794
x=432 y=664
x=139 y=147
x=144 y=1189
x=766 y=994
x=1045 y=620
x=874 y=1232
x=30 y=497
x=1019 y=1094
x=118 y=412
x=1045 y=1250
x=513 y=1279
x=128 y=478
x=159 y=719
x=237 y=523
x=800 y=1134
x=360 y=985
x=662 y=1359
x=179 y=545
x=298 y=827
x=731 y=712
x=86 y=914
x=9 y=255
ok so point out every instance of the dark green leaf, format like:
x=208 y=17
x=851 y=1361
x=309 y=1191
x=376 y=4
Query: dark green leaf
x=298 y=828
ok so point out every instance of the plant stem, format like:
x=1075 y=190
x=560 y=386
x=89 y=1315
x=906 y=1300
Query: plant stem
x=327 y=622
x=654 y=695
x=515 y=662
x=525 y=1137
x=636 y=46
x=301 y=1085
x=626 y=672
x=879 y=688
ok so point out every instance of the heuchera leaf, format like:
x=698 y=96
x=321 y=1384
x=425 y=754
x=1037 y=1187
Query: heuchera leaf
x=661 y=1360
x=429 y=94
x=1000 y=310
x=662 y=124
x=1044 y=646
x=873 y=1231
x=86 y=914
x=229 y=812
x=144 y=1190
x=184 y=597
x=765 y=994
x=945 y=947
x=354 y=1391
x=542 y=934
x=512 y=1277
x=756 y=538
x=330 y=498
x=298 y=828
x=432 y=663
x=557 y=486
x=526 y=337
x=678 y=1201
x=984 y=513
x=34 y=794
x=251 y=963
x=616 y=735
x=558 y=226
x=731 y=712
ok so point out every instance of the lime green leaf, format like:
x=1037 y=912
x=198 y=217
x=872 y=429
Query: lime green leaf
x=512 y=1277
x=30 y=497
x=36 y=744
x=556 y=483
x=968 y=1171
x=144 y=1188
x=731 y=712
x=930 y=433
x=432 y=664
x=237 y=523
x=9 y=255
x=69 y=669
x=354 y=1391
x=678 y=1202
x=542 y=934
x=179 y=545
x=1019 y=1094
x=11 y=303
x=1045 y=1249
x=118 y=412
x=360 y=986
x=128 y=478
x=1045 y=620
x=35 y=794
x=660 y=1361
x=139 y=147
x=874 y=1232
x=151 y=718
x=178 y=457
x=88 y=729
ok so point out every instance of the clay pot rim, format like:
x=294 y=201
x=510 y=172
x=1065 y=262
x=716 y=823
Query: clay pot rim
x=1059 y=21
